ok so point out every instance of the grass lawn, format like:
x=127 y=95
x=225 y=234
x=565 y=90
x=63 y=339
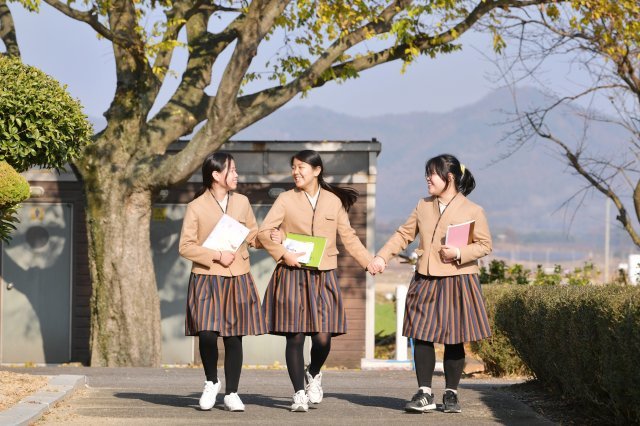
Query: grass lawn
x=385 y=318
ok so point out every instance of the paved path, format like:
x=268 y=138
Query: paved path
x=145 y=396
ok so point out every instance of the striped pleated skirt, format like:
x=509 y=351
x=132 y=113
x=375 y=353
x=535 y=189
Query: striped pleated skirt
x=228 y=305
x=445 y=310
x=299 y=300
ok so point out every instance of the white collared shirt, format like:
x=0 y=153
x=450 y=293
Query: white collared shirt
x=223 y=203
x=313 y=200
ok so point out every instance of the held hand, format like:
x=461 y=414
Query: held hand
x=448 y=253
x=377 y=265
x=226 y=258
x=277 y=236
x=291 y=259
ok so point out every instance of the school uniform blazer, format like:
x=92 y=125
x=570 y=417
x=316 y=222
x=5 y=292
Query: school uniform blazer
x=201 y=217
x=432 y=227
x=292 y=212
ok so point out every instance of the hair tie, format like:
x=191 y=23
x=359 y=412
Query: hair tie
x=463 y=168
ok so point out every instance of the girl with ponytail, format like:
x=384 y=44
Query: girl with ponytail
x=301 y=301
x=222 y=299
x=444 y=302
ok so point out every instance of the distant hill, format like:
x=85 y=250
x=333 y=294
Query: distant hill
x=523 y=194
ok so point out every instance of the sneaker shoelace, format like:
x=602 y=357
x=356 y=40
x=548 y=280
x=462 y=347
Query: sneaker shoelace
x=450 y=398
x=419 y=397
x=298 y=398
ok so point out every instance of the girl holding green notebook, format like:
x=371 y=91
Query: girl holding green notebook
x=301 y=300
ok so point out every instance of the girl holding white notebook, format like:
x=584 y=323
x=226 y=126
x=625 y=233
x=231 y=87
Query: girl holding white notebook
x=222 y=298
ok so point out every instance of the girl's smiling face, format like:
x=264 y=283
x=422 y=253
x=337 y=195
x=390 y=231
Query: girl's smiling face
x=304 y=175
x=435 y=184
x=228 y=178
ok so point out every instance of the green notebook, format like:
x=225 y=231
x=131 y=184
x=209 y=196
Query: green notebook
x=313 y=247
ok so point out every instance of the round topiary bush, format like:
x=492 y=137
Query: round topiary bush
x=13 y=187
x=40 y=123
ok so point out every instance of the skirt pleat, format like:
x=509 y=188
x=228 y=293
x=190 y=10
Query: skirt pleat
x=306 y=301
x=445 y=310
x=228 y=305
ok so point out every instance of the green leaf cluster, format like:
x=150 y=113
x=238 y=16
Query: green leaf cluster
x=498 y=272
x=613 y=26
x=40 y=123
x=13 y=187
x=310 y=27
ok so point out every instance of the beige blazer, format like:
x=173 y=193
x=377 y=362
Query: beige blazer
x=292 y=212
x=201 y=217
x=432 y=227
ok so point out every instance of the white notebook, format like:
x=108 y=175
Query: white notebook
x=228 y=235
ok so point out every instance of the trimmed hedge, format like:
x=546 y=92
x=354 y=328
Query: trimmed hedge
x=582 y=342
x=499 y=357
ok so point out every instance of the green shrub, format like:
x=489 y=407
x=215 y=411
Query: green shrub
x=13 y=187
x=40 y=123
x=499 y=357
x=583 y=342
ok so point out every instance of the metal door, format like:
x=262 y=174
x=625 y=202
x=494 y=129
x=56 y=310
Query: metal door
x=36 y=286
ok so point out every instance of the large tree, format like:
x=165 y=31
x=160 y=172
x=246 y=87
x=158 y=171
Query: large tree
x=600 y=39
x=319 y=40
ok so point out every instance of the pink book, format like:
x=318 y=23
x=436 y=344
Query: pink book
x=459 y=235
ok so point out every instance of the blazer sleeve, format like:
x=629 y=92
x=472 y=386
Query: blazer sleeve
x=403 y=236
x=351 y=241
x=273 y=220
x=481 y=242
x=188 y=246
x=252 y=224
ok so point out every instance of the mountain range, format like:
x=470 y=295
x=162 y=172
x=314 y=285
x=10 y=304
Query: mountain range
x=529 y=194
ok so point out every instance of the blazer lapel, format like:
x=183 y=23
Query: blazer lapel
x=214 y=207
x=453 y=205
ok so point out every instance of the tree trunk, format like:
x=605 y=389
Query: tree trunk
x=125 y=309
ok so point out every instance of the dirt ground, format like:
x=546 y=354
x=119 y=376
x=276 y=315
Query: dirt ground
x=14 y=387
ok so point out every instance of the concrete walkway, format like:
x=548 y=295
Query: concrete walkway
x=169 y=396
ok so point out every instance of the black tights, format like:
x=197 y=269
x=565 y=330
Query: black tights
x=425 y=360
x=208 y=344
x=320 y=347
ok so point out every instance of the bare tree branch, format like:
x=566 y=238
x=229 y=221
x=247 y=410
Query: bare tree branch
x=90 y=17
x=595 y=181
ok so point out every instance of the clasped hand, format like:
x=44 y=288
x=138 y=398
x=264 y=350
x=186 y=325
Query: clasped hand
x=376 y=266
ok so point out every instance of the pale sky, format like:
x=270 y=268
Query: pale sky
x=70 y=52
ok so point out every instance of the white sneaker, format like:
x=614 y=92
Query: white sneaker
x=208 y=398
x=232 y=402
x=313 y=387
x=300 y=402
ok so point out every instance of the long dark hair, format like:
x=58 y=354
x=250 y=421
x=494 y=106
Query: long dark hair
x=348 y=196
x=215 y=162
x=444 y=164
